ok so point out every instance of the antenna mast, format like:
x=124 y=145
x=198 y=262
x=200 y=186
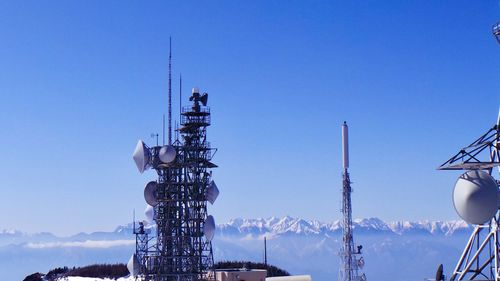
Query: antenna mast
x=170 y=94
x=180 y=95
x=350 y=263
x=265 y=251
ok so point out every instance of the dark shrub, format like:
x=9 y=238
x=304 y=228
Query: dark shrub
x=112 y=271
x=272 y=271
x=34 y=277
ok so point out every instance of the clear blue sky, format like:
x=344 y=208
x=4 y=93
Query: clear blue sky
x=81 y=81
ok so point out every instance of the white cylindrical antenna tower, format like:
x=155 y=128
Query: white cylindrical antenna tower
x=345 y=146
x=351 y=260
x=170 y=94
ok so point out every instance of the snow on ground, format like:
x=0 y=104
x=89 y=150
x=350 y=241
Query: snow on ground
x=75 y=278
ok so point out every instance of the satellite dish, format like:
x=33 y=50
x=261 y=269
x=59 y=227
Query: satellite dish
x=133 y=266
x=209 y=228
x=204 y=99
x=496 y=31
x=361 y=262
x=197 y=98
x=141 y=156
x=212 y=192
x=150 y=214
x=150 y=193
x=167 y=154
x=439 y=273
x=475 y=197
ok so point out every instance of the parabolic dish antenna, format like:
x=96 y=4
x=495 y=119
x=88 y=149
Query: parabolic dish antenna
x=212 y=192
x=209 y=228
x=439 y=273
x=142 y=156
x=150 y=193
x=150 y=214
x=496 y=31
x=361 y=262
x=476 y=197
x=167 y=154
x=133 y=265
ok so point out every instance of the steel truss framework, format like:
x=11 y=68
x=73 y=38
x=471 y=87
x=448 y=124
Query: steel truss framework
x=142 y=240
x=182 y=252
x=351 y=264
x=480 y=258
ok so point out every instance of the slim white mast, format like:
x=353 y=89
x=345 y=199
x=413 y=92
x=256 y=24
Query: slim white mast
x=350 y=263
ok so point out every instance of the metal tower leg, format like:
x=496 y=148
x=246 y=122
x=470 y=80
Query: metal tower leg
x=479 y=259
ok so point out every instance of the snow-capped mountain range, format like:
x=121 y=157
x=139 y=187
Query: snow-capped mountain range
x=271 y=227
x=296 y=226
x=298 y=245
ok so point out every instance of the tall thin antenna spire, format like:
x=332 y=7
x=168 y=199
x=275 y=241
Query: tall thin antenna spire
x=170 y=94
x=180 y=96
x=176 y=131
x=265 y=251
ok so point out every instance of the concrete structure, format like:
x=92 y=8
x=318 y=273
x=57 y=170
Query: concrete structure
x=241 y=274
x=290 y=278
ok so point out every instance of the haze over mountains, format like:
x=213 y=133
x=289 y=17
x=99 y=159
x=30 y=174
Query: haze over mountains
x=396 y=250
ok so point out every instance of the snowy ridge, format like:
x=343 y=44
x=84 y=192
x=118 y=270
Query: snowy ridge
x=273 y=226
x=297 y=226
x=76 y=278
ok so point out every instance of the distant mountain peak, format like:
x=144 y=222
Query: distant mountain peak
x=270 y=227
x=288 y=225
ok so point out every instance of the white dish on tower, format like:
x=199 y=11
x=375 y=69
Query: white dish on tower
x=150 y=214
x=141 y=156
x=167 y=154
x=212 y=192
x=475 y=197
x=209 y=228
x=150 y=193
x=133 y=266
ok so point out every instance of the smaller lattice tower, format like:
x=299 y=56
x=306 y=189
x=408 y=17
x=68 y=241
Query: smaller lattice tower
x=351 y=261
x=141 y=244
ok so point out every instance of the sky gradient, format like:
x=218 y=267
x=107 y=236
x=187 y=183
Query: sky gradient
x=82 y=81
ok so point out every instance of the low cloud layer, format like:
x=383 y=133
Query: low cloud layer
x=93 y=244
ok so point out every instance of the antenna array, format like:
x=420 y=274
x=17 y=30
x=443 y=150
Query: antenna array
x=177 y=201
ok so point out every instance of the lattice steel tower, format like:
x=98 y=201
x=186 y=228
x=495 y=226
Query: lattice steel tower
x=351 y=259
x=182 y=250
x=480 y=259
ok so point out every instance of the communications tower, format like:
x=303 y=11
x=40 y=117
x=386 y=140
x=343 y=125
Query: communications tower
x=351 y=260
x=182 y=250
x=476 y=200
